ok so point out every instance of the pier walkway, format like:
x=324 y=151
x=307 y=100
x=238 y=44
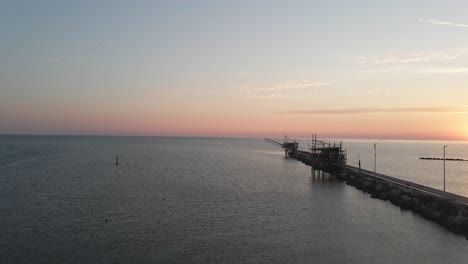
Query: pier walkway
x=411 y=185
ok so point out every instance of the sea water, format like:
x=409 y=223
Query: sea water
x=210 y=200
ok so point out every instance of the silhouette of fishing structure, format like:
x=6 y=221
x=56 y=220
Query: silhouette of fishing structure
x=322 y=156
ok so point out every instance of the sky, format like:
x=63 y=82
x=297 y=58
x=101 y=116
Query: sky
x=342 y=69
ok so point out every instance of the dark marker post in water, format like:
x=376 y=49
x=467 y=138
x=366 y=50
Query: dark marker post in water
x=359 y=162
x=117 y=161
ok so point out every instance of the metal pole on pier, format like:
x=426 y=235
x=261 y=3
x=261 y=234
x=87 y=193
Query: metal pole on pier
x=375 y=157
x=444 y=167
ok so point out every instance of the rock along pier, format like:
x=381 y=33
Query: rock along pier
x=447 y=209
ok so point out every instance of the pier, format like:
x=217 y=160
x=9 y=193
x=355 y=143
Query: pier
x=447 y=209
x=322 y=156
x=289 y=145
x=447 y=159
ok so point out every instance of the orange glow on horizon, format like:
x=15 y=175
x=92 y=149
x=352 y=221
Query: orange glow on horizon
x=434 y=126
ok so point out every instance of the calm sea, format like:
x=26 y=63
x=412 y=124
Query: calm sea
x=196 y=200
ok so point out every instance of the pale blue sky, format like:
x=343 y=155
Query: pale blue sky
x=165 y=58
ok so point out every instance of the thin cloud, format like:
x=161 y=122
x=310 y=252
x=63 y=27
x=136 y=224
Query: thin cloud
x=443 y=23
x=94 y=43
x=63 y=59
x=358 y=111
x=292 y=85
x=414 y=58
x=418 y=70
x=379 y=91
x=444 y=71
x=284 y=89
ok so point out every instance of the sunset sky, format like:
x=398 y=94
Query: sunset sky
x=345 y=69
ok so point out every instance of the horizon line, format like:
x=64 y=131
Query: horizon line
x=226 y=137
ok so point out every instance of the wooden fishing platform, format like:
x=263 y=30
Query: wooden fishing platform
x=289 y=145
x=322 y=156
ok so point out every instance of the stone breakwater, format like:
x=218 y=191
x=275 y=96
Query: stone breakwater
x=448 y=213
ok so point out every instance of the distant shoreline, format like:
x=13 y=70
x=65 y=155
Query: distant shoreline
x=450 y=159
